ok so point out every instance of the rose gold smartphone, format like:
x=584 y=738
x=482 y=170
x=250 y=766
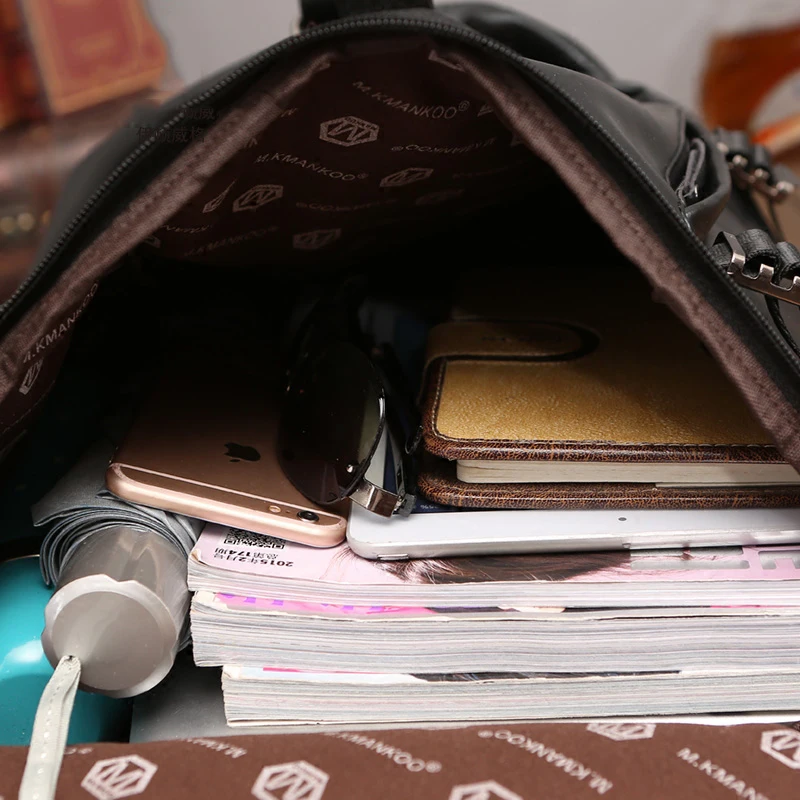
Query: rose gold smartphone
x=204 y=445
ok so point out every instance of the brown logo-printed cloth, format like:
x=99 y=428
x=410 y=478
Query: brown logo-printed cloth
x=483 y=762
x=387 y=139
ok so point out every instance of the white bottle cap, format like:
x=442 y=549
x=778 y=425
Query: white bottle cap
x=120 y=608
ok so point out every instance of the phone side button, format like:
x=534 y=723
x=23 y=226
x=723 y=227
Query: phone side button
x=402 y=557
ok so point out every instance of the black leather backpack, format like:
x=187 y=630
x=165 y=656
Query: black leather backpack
x=413 y=142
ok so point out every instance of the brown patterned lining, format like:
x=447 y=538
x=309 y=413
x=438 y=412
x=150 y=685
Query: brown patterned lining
x=374 y=150
x=585 y=761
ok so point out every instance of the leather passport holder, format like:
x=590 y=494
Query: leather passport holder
x=556 y=391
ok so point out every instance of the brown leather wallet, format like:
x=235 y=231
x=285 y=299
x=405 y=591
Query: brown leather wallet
x=598 y=398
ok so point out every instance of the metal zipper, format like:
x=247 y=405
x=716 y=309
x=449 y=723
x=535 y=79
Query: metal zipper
x=392 y=24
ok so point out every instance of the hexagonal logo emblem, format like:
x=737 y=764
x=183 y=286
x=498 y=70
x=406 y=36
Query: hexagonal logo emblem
x=297 y=780
x=216 y=202
x=114 y=778
x=258 y=196
x=348 y=131
x=487 y=790
x=784 y=745
x=313 y=240
x=406 y=176
x=623 y=731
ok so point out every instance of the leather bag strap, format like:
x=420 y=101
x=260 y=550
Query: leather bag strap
x=315 y=12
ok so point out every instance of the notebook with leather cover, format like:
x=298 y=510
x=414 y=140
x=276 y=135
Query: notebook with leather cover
x=438 y=482
x=585 y=379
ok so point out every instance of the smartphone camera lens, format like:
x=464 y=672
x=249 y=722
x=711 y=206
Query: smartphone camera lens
x=308 y=516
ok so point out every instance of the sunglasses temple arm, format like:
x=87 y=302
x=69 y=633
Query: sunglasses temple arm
x=382 y=501
x=399 y=391
x=376 y=499
x=404 y=466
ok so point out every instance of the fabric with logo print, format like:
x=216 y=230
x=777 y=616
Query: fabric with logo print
x=480 y=762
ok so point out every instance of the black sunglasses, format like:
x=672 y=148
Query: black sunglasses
x=345 y=401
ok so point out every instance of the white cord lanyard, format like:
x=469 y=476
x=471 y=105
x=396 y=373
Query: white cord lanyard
x=50 y=728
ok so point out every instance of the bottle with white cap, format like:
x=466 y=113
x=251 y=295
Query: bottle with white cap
x=120 y=608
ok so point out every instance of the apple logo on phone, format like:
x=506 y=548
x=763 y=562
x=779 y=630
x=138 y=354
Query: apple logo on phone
x=241 y=452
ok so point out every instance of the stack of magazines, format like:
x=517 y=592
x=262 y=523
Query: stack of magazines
x=540 y=636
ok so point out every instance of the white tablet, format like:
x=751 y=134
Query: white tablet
x=438 y=532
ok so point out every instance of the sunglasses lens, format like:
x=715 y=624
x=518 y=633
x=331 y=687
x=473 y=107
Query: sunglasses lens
x=331 y=422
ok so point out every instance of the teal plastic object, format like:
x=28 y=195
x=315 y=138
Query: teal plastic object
x=24 y=668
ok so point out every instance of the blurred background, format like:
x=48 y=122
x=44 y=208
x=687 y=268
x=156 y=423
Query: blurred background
x=661 y=44
x=71 y=71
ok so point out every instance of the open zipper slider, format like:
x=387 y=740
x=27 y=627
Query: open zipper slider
x=749 y=273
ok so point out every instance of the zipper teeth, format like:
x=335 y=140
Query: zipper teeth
x=126 y=163
x=392 y=24
x=82 y=214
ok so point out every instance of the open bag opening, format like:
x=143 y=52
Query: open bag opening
x=358 y=284
x=406 y=159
